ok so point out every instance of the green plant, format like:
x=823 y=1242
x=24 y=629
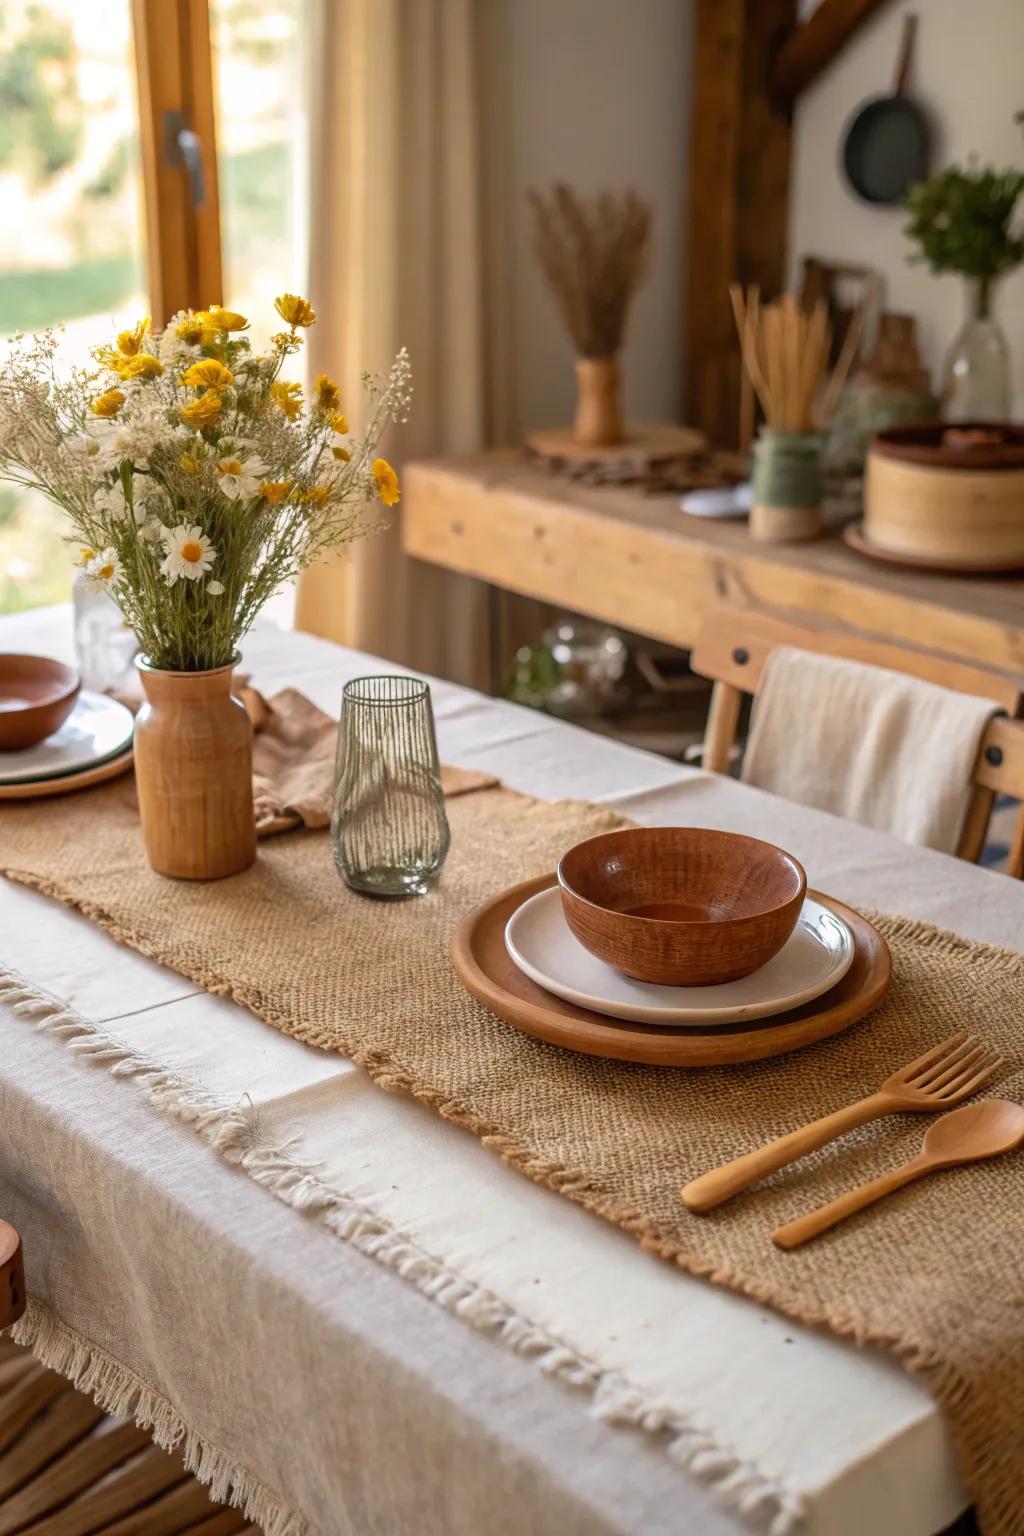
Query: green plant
x=41 y=117
x=961 y=219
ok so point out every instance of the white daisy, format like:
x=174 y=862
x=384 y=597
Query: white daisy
x=189 y=553
x=240 y=479
x=104 y=569
x=215 y=588
x=111 y=500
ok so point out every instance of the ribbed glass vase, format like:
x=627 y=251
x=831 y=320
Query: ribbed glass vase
x=389 y=830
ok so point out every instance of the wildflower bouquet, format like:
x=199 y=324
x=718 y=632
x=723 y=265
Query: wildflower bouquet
x=196 y=478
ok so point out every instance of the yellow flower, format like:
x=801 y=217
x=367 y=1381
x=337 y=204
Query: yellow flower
x=109 y=357
x=275 y=491
x=189 y=463
x=328 y=397
x=387 y=482
x=85 y=554
x=295 y=311
x=288 y=396
x=339 y=423
x=143 y=366
x=316 y=496
x=217 y=319
x=129 y=343
x=108 y=404
x=209 y=374
x=203 y=411
x=343 y=454
x=190 y=329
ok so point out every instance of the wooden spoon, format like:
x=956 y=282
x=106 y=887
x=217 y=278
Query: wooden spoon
x=965 y=1136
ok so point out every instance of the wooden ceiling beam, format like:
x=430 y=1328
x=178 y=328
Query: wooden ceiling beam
x=815 y=43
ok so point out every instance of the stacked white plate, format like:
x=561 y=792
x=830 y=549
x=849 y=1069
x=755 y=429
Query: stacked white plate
x=97 y=733
x=815 y=958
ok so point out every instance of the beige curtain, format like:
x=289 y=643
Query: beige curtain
x=396 y=236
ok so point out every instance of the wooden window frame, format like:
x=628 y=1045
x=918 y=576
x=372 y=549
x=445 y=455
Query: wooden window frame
x=175 y=76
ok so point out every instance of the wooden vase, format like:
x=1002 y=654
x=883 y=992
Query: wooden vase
x=598 y=421
x=193 y=770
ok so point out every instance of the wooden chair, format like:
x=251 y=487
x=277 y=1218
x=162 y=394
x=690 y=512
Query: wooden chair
x=734 y=643
x=69 y=1469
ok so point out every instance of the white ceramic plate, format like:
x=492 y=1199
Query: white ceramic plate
x=817 y=956
x=719 y=501
x=97 y=728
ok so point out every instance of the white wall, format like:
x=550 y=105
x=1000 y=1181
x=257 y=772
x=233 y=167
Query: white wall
x=969 y=74
x=594 y=92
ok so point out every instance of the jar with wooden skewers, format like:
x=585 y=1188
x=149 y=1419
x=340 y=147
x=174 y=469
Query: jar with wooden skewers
x=786 y=351
x=786 y=505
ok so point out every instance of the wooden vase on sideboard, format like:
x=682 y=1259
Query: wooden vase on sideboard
x=598 y=422
x=193 y=770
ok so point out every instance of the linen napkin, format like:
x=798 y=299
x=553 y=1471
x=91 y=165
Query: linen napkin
x=874 y=746
x=293 y=762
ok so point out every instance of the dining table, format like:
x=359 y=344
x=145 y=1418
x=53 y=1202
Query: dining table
x=367 y=1365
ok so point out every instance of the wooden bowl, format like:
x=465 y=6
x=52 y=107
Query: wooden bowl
x=36 y=696
x=681 y=906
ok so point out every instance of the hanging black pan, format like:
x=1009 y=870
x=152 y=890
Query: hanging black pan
x=886 y=145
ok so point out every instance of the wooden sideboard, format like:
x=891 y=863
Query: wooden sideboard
x=639 y=562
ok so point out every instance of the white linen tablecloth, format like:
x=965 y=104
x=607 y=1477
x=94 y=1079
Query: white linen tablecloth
x=398 y=1333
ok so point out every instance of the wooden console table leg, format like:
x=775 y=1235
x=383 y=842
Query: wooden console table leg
x=12 y=1276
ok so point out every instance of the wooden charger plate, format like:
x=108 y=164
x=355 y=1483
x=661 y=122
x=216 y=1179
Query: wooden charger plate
x=68 y=783
x=486 y=969
x=855 y=535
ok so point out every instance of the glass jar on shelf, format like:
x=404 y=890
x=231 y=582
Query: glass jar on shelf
x=976 y=372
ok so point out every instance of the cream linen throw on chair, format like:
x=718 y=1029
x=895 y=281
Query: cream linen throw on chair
x=873 y=746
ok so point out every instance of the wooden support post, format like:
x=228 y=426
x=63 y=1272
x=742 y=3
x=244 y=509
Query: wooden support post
x=738 y=194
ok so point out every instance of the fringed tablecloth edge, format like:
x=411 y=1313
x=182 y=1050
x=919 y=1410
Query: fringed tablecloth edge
x=234 y=1131
x=117 y=1390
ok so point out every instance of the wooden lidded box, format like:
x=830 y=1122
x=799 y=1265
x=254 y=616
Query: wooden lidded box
x=951 y=495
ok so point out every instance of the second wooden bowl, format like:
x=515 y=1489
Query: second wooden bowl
x=36 y=696
x=681 y=906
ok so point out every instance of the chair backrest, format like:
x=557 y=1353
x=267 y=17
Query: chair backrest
x=733 y=645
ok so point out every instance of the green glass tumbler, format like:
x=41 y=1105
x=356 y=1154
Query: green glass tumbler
x=389 y=830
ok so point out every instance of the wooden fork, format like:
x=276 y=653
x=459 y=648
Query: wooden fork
x=940 y=1079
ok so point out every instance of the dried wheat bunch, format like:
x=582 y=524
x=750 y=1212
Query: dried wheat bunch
x=594 y=254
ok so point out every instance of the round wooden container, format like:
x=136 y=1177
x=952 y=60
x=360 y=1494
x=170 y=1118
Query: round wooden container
x=952 y=494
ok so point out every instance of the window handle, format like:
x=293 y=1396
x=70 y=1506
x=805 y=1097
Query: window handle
x=182 y=146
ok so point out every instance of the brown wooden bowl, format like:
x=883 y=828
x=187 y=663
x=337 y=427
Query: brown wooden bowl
x=681 y=906
x=36 y=696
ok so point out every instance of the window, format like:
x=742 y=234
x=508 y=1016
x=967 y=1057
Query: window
x=140 y=139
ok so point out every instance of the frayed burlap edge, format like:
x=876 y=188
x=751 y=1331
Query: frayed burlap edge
x=234 y=1131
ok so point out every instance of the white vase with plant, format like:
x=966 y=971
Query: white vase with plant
x=196 y=479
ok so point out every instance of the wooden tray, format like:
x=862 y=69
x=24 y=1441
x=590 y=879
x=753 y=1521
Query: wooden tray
x=643 y=444
x=485 y=968
x=68 y=783
x=855 y=536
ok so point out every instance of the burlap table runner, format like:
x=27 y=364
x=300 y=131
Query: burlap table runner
x=936 y=1275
